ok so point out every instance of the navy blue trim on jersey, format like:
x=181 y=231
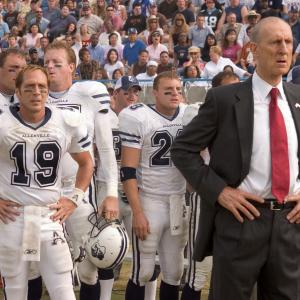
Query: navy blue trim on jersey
x=100 y=96
x=84 y=139
x=86 y=144
x=130 y=141
x=152 y=106
x=14 y=111
x=128 y=134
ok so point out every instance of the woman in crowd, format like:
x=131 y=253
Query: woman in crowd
x=179 y=26
x=209 y=41
x=114 y=43
x=152 y=25
x=85 y=36
x=230 y=48
x=21 y=25
x=156 y=47
x=32 y=38
x=113 y=63
x=99 y=8
x=195 y=58
x=217 y=64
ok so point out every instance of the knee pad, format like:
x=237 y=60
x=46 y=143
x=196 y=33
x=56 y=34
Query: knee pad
x=87 y=272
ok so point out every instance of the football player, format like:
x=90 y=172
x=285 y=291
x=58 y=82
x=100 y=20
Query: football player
x=154 y=187
x=92 y=100
x=34 y=138
x=11 y=63
x=126 y=92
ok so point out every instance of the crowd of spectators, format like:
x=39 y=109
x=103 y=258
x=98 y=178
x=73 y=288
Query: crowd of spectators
x=111 y=38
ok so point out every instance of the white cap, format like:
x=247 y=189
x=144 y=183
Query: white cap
x=152 y=63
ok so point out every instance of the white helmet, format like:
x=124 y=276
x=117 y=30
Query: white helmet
x=107 y=244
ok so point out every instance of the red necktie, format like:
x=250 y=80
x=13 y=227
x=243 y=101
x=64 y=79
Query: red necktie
x=279 y=150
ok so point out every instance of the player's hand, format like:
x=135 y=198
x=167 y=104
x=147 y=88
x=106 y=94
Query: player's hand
x=8 y=211
x=238 y=202
x=64 y=208
x=294 y=215
x=109 y=208
x=140 y=225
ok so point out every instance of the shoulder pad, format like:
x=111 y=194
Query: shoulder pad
x=88 y=88
x=71 y=117
x=190 y=112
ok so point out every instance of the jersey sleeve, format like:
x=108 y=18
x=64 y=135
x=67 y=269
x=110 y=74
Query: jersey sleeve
x=75 y=125
x=131 y=126
x=104 y=143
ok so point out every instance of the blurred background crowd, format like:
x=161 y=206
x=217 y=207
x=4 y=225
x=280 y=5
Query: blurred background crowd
x=197 y=38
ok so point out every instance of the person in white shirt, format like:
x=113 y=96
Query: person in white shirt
x=217 y=64
x=150 y=74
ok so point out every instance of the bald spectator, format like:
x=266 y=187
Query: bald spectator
x=96 y=51
x=93 y=22
x=39 y=20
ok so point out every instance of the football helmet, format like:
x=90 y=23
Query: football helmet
x=108 y=242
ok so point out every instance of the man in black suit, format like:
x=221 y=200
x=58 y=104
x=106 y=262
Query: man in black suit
x=250 y=209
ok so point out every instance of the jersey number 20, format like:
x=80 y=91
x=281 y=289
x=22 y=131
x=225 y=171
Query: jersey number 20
x=46 y=158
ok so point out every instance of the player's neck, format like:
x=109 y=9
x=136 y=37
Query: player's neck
x=6 y=92
x=31 y=117
x=60 y=86
x=166 y=112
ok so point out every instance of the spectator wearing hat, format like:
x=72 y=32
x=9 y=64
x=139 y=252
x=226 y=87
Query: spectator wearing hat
x=136 y=19
x=150 y=74
x=141 y=65
x=164 y=63
x=52 y=12
x=152 y=25
x=156 y=47
x=153 y=11
x=93 y=22
x=132 y=48
x=34 y=57
x=199 y=32
x=251 y=20
x=195 y=58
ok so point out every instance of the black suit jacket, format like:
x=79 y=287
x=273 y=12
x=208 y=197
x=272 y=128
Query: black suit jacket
x=224 y=124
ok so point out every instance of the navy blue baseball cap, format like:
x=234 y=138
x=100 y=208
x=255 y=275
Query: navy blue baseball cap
x=126 y=82
x=132 y=30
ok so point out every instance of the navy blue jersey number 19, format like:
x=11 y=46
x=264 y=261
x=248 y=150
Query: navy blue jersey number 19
x=46 y=158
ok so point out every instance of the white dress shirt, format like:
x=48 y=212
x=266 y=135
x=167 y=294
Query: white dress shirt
x=258 y=180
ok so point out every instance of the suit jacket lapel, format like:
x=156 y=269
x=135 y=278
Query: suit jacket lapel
x=244 y=111
x=293 y=98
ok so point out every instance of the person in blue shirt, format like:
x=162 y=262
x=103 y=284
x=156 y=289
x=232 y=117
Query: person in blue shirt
x=132 y=48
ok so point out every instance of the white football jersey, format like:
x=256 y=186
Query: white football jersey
x=88 y=102
x=142 y=127
x=92 y=100
x=31 y=157
x=6 y=100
